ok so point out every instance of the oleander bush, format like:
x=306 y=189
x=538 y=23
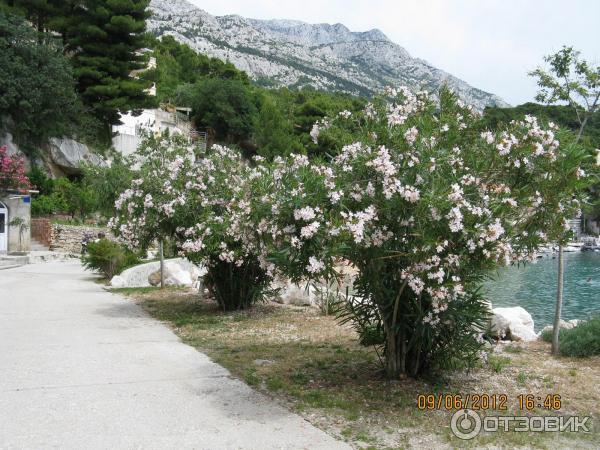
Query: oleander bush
x=417 y=199
x=200 y=199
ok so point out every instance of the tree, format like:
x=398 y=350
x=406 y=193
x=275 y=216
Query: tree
x=273 y=131
x=104 y=38
x=108 y=183
x=227 y=106
x=45 y=15
x=37 y=94
x=78 y=198
x=572 y=80
x=178 y=64
x=21 y=225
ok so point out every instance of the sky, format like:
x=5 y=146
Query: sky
x=491 y=44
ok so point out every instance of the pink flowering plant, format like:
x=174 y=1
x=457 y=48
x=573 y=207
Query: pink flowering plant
x=423 y=203
x=12 y=171
x=420 y=200
x=199 y=199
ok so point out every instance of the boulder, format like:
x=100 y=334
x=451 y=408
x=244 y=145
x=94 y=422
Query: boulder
x=69 y=155
x=563 y=324
x=293 y=294
x=176 y=275
x=154 y=278
x=178 y=271
x=514 y=324
x=117 y=281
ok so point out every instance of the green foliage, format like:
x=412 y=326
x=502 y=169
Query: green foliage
x=274 y=131
x=42 y=182
x=422 y=204
x=44 y=15
x=308 y=106
x=108 y=258
x=104 y=38
x=497 y=363
x=565 y=117
x=79 y=198
x=580 y=341
x=237 y=287
x=178 y=64
x=229 y=107
x=108 y=182
x=570 y=79
x=263 y=121
x=183 y=191
x=46 y=205
x=562 y=115
x=37 y=95
x=96 y=55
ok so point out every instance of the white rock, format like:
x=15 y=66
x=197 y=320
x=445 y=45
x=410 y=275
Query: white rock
x=515 y=324
x=137 y=276
x=176 y=275
x=117 y=281
x=563 y=324
x=293 y=294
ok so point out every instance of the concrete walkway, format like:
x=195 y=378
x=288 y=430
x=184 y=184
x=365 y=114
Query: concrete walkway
x=82 y=368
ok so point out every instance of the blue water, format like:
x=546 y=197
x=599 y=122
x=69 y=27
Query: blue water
x=534 y=287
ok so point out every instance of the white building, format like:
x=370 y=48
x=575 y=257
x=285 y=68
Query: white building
x=128 y=136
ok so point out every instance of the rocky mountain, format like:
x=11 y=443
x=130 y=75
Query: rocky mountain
x=297 y=54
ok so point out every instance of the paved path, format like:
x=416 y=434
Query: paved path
x=83 y=368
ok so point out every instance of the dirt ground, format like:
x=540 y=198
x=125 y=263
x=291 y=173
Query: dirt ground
x=314 y=366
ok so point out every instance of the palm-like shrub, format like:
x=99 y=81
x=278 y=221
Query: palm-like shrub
x=108 y=258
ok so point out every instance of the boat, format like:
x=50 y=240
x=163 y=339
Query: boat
x=573 y=247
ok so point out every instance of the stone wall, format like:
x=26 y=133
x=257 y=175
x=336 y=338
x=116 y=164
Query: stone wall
x=41 y=230
x=68 y=238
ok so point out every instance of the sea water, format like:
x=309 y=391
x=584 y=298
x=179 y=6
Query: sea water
x=533 y=287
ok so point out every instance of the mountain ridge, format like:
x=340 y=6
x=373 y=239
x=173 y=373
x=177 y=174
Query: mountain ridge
x=296 y=54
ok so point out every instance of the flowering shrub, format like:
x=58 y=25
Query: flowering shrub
x=12 y=171
x=423 y=203
x=200 y=199
x=420 y=200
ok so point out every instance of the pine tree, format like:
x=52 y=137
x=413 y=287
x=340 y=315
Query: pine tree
x=44 y=15
x=105 y=38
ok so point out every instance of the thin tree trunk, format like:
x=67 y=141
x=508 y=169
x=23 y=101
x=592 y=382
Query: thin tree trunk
x=392 y=369
x=580 y=132
x=561 y=273
x=559 y=301
x=162 y=264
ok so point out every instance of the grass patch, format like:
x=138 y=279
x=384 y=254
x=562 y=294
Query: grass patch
x=316 y=367
x=133 y=290
x=513 y=349
x=498 y=363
